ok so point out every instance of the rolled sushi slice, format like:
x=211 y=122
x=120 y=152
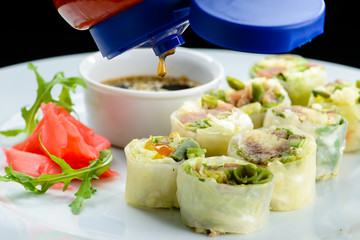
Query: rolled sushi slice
x=152 y=165
x=255 y=97
x=289 y=153
x=210 y=122
x=328 y=129
x=344 y=98
x=298 y=76
x=224 y=195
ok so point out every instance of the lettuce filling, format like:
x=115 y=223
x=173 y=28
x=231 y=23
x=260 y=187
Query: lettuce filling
x=231 y=174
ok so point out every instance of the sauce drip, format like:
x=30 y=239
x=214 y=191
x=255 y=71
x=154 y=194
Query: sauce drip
x=161 y=71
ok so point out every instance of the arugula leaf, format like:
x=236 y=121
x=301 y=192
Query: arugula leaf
x=45 y=181
x=44 y=96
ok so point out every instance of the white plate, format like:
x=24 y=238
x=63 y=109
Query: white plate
x=24 y=215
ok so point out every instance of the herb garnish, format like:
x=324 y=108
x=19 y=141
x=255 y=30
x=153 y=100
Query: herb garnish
x=45 y=181
x=30 y=115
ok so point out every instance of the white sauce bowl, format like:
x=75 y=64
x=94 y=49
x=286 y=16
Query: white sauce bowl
x=123 y=114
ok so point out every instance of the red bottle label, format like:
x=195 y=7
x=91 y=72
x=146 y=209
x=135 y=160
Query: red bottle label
x=83 y=14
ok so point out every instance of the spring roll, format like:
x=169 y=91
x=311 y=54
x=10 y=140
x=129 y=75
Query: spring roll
x=210 y=122
x=289 y=153
x=224 y=195
x=152 y=165
x=255 y=97
x=298 y=76
x=342 y=97
x=327 y=128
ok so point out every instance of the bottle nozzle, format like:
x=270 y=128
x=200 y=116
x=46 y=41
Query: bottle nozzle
x=168 y=43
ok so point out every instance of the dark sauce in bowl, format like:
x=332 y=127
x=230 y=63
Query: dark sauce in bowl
x=152 y=83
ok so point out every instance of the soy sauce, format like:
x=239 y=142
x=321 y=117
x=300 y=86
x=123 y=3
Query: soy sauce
x=152 y=83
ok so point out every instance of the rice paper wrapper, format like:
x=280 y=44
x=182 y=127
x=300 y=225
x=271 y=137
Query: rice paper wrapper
x=331 y=143
x=298 y=76
x=274 y=88
x=257 y=119
x=149 y=182
x=257 y=112
x=274 y=95
x=344 y=101
x=330 y=138
x=300 y=84
x=352 y=115
x=208 y=205
x=214 y=139
x=294 y=185
x=215 y=143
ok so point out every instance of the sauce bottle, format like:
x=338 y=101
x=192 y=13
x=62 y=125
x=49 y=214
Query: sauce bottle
x=260 y=26
x=120 y=25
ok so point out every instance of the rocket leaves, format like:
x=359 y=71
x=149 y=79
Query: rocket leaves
x=42 y=183
x=30 y=115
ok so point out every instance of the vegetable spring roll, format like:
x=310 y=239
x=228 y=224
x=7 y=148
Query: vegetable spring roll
x=296 y=74
x=255 y=97
x=210 y=122
x=328 y=129
x=289 y=153
x=223 y=195
x=343 y=97
x=152 y=166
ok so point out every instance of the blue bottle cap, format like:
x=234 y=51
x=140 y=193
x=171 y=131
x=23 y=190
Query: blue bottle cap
x=260 y=26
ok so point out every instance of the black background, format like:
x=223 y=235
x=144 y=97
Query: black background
x=33 y=30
